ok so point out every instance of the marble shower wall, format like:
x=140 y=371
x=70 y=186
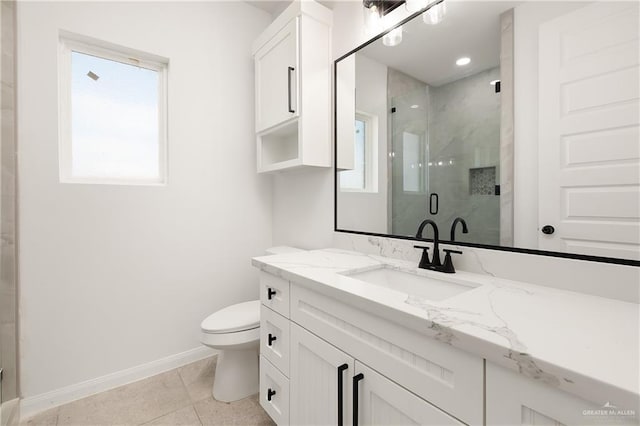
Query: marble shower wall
x=8 y=287
x=464 y=160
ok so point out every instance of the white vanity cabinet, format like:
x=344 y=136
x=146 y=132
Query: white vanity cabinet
x=513 y=399
x=320 y=374
x=323 y=379
x=333 y=348
x=293 y=85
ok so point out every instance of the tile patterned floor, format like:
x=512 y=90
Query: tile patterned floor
x=180 y=397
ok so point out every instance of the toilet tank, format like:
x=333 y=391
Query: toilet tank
x=282 y=250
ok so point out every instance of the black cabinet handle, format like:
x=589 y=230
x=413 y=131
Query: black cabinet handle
x=341 y=370
x=270 y=394
x=548 y=229
x=289 y=70
x=433 y=206
x=270 y=293
x=271 y=339
x=356 y=379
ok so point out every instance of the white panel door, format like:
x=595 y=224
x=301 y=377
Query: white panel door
x=589 y=116
x=315 y=374
x=382 y=402
x=277 y=74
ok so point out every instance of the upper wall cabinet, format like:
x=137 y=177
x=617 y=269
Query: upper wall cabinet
x=293 y=83
x=276 y=82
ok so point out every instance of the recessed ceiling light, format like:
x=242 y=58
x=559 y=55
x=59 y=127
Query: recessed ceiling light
x=463 y=61
x=415 y=106
x=493 y=83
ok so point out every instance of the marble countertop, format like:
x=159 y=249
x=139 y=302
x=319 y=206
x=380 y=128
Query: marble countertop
x=582 y=344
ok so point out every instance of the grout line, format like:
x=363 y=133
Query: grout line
x=197 y=415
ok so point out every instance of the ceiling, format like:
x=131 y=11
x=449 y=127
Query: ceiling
x=275 y=8
x=429 y=52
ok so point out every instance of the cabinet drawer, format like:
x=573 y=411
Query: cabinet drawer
x=447 y=377
x=274 y=339
x=274 y=293
x=275 y=404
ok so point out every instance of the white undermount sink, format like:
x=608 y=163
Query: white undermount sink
x=410 y=282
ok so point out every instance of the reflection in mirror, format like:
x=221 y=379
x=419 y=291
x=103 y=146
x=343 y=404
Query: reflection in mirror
x=425 y=128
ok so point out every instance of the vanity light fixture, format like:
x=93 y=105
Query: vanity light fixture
x=435 y=14
x=393 y=37
x=375 y=10
x=463 y=61
x=372 y=19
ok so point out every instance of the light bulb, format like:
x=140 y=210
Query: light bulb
x=463 y=61
x=435 y=14
x=372 y=20
x=393 y=37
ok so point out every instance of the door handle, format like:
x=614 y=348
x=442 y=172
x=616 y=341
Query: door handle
x=270 y=394
x=548 y=229
x=289 y=71
x=341 y=370
x=356 y=380
x=433 y=207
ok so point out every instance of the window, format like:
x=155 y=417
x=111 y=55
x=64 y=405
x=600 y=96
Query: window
x=363 y=176
x=112 y=115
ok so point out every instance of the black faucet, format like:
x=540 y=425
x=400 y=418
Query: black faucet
x=435 y=264
x=435 y=261
x=456 y=221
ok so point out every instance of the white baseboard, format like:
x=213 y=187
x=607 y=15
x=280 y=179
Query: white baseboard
x=34 y=404
x=9 y=415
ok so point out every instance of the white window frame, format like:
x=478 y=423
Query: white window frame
x=370 y=153
x=75 y=43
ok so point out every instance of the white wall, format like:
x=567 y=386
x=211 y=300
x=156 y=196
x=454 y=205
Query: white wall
x=113 y=277
x=371 y=89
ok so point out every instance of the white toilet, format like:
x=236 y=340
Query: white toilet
x=235 y=332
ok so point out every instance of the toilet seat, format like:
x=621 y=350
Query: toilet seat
x=232 y=319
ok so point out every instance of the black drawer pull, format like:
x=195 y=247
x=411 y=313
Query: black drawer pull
x=270 y=394
x=271 y=339
x=270 y=293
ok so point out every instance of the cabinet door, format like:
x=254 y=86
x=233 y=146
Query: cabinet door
x=277 y=78
x=513 y=399
x=379 y=401
x=316 y=374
